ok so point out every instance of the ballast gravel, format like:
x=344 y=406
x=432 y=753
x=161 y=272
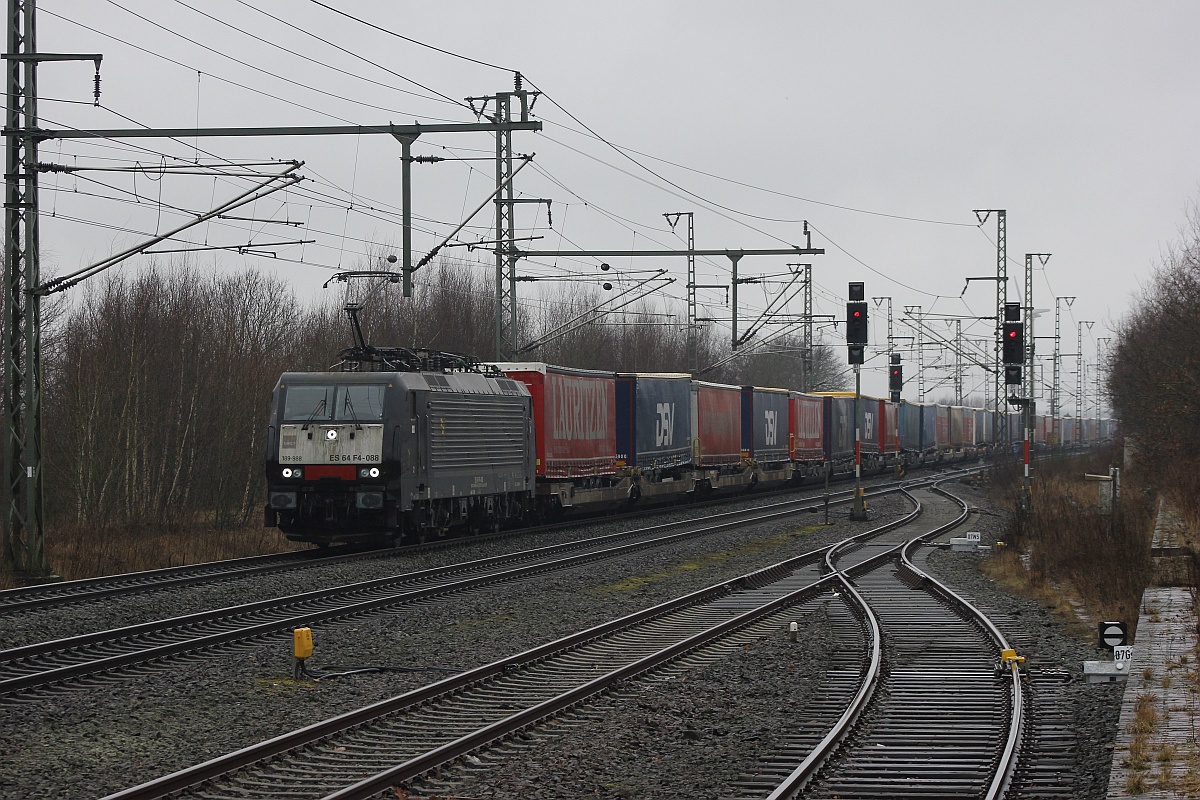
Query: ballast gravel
x=690 y=736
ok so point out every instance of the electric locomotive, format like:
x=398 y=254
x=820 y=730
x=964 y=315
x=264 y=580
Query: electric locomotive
x=400 y=443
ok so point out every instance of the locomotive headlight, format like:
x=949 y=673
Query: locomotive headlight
x=331 y=434
x=362 y=473
x=297 y=472
x=374 y=472
x=287 y=472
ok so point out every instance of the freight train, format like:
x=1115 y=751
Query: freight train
x=424 y=444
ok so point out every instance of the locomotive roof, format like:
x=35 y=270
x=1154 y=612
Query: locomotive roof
x=463 y=382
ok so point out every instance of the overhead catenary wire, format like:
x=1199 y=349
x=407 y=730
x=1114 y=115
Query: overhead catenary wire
x=720 y=206
x=223 y=79
x=383 y=214
x=59 y=284
x=242 y=62
x=409 y=39
x=337 y=47
x=765 y=190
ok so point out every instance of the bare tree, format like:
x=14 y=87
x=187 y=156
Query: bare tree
x=1154 y=369
x=155 y=404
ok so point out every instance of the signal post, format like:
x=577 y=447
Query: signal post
x=1013 y=350
x=856 y=341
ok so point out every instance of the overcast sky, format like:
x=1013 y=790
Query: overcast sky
x=882 y=124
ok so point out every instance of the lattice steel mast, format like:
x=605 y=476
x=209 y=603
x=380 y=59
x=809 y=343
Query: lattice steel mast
x=24 y=543
x=999 y=426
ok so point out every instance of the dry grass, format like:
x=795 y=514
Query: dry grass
x=1143 y=725
x=1068 y=547
x=1145 y=715
x=1135 y=783
x=83 y=553
x=1166 y=766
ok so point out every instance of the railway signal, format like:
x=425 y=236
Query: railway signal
x=895 y=376
x=856 y=322
x=1112 y=634
x=1014 y=343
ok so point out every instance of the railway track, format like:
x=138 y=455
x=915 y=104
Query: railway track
x=941 y=723
x=368 y=751
x=28 y=673
x=937 y=715
x=53 y=595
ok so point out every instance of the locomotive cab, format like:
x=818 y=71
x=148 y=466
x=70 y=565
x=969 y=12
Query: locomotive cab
x=328 y=469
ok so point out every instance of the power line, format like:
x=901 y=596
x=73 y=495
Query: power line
x=223 y=79
x=883 y=275
x=417 y=42
x=277 y=76
x=321 y=63
x=764 y=189
x=682 y=194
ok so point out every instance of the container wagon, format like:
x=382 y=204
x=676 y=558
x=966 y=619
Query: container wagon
x=717 y=436
x=956 y=426
x=910 y=431
x=765 y=431
x=942 y=428
x=575 y=421
x=806 y=421
x=889 y=432
x=654 y=432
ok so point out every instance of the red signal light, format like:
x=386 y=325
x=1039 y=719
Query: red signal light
x=1012 y=334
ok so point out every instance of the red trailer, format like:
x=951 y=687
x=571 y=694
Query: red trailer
x=806 y=415
x=716 y=424
x=942 y=430
x=889 y=427
x=574 y=417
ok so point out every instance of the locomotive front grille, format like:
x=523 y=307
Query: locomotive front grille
x=465 y=433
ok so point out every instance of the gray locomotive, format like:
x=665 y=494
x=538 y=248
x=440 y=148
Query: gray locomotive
x=401 y=443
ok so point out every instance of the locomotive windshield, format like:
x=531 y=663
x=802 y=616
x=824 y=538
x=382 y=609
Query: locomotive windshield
x=347 y=403
x=308 y=403
x=360 y=403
